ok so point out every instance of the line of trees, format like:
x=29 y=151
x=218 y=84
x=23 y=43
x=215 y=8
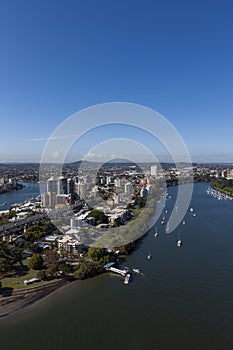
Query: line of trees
x=224 y=185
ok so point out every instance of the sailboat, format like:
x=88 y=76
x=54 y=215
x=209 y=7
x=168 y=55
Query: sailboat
x=149 y=256
x=156 y=233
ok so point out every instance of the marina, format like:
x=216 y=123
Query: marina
x=218 y=194
x=29 y=191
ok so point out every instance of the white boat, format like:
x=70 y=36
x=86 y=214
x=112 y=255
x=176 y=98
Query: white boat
x=149 y=256
x=156 y=233
x=127 y=277
x=191 y=209
x=135 y=270
x=194 y=214
x=163 y=220
x=183 y=222
x=179 y=243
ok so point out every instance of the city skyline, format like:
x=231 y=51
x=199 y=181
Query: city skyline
x=59 y=58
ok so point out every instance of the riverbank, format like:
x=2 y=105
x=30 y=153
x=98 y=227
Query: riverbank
x=18 y=299
x=224 y=186
x=8 y=189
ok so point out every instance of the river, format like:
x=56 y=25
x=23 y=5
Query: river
x=30 y=190
x=183 y=300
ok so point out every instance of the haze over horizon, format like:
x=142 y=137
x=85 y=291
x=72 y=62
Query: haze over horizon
x=61 y=57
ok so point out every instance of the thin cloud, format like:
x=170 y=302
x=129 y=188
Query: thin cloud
x=49 y=138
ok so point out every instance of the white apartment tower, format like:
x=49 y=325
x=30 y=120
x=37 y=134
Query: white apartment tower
x=153 y=170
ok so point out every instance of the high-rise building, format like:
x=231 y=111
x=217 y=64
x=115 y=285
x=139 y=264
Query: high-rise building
x=118 y=182
x=154 y=170
x=80 y=189
x=110 y=180
x=52 y=185
x=70 y=186
x=62 y=185
x=52 y=200
x=45 y=200
x=128 y=188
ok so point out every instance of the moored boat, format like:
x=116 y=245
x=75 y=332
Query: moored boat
x=163 y=220
x=179 y=243
x=127 y=277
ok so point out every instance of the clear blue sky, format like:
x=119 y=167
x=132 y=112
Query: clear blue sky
x=58 y=57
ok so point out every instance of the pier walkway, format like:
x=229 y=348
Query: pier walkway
x=109 y=267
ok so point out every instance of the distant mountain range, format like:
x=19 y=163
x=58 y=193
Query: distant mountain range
x=114 y=161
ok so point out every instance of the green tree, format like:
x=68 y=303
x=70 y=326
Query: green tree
x=96 y=254
x=41 y=275
x=9 y=256
x=35 y=262
x=99 y=216
x=88 y=269
x=51 y=261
